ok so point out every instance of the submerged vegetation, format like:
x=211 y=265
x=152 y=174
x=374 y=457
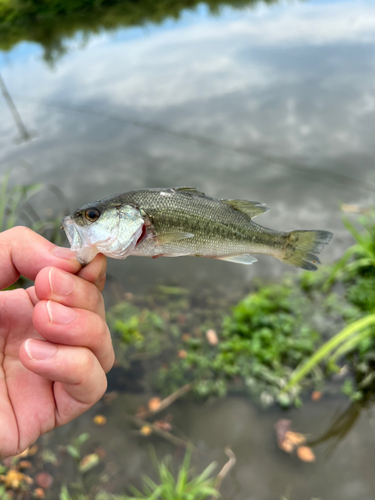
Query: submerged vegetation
x=276 y=341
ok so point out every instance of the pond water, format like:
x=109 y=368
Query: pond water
x=274 y=103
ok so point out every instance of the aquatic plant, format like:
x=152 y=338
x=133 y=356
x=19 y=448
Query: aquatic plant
x=200 y=487
x=18 y=206
x=356 y=341
x=261 y=343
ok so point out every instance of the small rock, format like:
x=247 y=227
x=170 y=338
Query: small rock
x=154 y=404
x=44 y=480
x=305 y=454
x=100 y=420
x=212 y=337
x=39 y=493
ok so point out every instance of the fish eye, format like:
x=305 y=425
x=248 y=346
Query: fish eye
x=92 y=214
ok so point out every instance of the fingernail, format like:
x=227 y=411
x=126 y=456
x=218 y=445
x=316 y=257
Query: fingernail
x=64 y=253
x=61 y=283
x=38 y=350
x=60 y=314
x=103 y=270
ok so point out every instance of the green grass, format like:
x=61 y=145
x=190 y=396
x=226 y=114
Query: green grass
x=18 y=206
x=356 y=271
x=186 y=486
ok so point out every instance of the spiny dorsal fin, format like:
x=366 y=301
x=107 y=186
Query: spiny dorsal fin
x=250 y=208
x=191 y=190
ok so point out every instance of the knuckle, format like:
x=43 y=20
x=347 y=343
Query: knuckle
x=96 y=297
x=111 y=361
x=103 y=386
x=87 y=363
x=102 y=327
x=18 y=233
x=21 y=230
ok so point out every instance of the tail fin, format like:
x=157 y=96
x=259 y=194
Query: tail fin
x=300 y=246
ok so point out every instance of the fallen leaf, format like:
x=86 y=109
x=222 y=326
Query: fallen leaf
x=296 y=438
x=33 y=449
x=281 y=428
x=306 y=454
x=182 y=354
x=88 y=462
x=44 y=480
x=13 y=479
x=286 y=446
x=110 y=396
x=146 y=430
x=164 y=426
x=101 y=453
x=212 y=337
x=39 y=493
x=316 y=395
x=154 y=404
x=186 y=337
x=100 y=420
x=286 y=439
x=24 y=464
x=28 y=479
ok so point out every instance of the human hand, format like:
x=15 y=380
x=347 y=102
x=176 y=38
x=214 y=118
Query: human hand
x=55 y=346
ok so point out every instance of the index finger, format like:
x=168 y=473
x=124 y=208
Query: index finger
x=22 y=251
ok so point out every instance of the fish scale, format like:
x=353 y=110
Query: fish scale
x=219 y=230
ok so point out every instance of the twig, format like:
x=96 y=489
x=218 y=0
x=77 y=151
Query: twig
x=139 y=422
x=167 y=401
x=226 y=468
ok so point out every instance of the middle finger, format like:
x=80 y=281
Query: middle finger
x=68 y=289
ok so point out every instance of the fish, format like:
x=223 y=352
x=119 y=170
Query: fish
x=183 y=221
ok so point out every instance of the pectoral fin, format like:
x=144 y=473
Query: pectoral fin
x=250 y=208
x=239 y=259
x=162 y=239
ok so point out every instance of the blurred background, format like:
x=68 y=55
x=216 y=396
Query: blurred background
x=272 y=101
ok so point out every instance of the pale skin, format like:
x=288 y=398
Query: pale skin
x=55 y=346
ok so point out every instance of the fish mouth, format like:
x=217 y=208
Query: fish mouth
x=72 y=233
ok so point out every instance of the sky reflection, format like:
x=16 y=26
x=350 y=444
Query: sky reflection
x=276 y=103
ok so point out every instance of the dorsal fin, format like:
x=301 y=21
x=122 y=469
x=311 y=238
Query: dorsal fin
x=192 y=190
x=250 y=208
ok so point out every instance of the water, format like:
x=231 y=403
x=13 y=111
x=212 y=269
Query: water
x=275 y=104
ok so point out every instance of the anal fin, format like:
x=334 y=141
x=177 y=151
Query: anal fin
x=239 y=259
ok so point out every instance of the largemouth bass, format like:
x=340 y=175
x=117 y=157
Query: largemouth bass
x=173 y=222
